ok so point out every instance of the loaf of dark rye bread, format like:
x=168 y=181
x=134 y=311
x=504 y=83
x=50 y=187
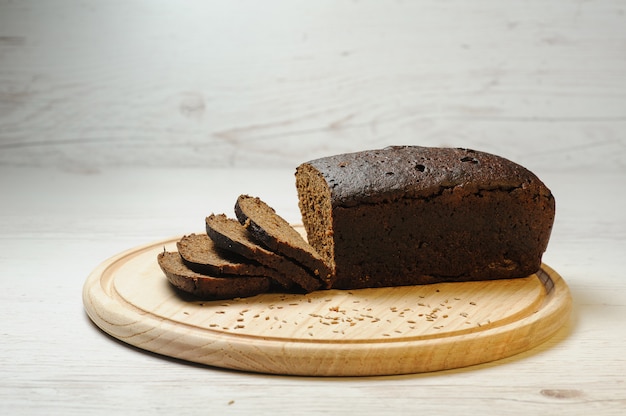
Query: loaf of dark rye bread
x=209 y=287
x=408 y=215
x=276 y=234
x=230 y=235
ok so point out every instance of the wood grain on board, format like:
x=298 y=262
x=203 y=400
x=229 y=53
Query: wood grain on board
x=381 y=331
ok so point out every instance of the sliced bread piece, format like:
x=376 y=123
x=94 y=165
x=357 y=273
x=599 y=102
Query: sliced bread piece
x=230 y=235
x=209 y=287
x=276 y=234
x=200 y=254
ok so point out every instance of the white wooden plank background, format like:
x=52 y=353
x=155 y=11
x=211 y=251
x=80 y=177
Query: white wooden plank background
x=90 y=84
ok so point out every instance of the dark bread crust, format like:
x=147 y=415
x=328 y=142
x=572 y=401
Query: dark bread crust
x=209 y=287
x=277 y=235
x=200 y=254
x=415 y=172
x=412 y=215
x=230 y=235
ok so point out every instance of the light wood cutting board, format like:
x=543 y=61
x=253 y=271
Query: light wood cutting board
x=326 y=333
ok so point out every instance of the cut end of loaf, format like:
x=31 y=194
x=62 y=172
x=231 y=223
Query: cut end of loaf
x=314 y=201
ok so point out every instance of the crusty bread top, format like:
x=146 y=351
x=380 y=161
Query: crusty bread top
x=397 y=172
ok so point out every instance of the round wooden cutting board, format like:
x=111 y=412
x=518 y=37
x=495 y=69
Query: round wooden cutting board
x=362 y=332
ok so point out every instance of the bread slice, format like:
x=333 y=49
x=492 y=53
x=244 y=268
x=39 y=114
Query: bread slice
x=277 y=235
x=200 y=254
x=209 y=287
x=229 y=234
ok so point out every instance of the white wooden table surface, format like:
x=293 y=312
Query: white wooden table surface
x=125 y=122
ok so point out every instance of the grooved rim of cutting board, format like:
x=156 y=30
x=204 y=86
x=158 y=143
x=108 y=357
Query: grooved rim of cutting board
x=363 y=332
